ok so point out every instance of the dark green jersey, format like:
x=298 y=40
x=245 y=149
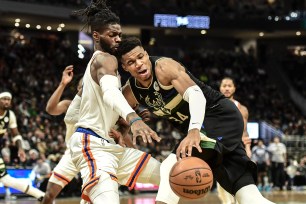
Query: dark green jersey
x=165 y=101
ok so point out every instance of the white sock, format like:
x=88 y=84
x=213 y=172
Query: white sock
x=9 y=181
x=250 y=195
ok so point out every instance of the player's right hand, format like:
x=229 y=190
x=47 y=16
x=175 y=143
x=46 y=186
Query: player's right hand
x=140 y=129
x=67 y=75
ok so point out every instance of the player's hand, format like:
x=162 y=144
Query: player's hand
x=22 y=155
x=140 y=129
x=117 y=136
x=246 y=141
x=191 y=140
x=67 y=75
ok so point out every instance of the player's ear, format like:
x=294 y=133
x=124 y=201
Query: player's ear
x=124 y=67
x=96 y=36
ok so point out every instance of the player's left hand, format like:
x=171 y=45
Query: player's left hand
x=21 y=155
x=191 y=140
x=246 y=140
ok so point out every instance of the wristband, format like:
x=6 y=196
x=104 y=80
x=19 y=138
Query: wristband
x=134 y=120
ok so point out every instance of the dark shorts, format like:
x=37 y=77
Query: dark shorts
x=262 y=168
x=227 y=157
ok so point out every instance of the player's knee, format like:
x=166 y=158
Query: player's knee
x=168 y=163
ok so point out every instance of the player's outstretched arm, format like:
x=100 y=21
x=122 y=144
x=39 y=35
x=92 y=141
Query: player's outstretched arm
x=54 y=105
x=170 y=72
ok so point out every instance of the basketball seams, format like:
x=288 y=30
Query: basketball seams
x=189 y=170
x=192 y=184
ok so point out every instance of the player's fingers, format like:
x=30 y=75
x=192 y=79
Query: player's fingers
x=134 y=138
x=154 y=135
x=178 y=153
x=183 y=152
x=148 y=135
x=198 y=147
x=189 y=153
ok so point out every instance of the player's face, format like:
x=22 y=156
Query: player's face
x=110 y=38
x=5 y=103
x=138 y=64
x=227 y=88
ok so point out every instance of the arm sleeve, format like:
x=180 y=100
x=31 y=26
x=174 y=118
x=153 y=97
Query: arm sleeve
x=197 y=104
x=113 y=96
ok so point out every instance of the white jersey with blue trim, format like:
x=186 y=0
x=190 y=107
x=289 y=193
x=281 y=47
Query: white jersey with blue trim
x=95 y=114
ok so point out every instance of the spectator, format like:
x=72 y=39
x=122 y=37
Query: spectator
x=278 y=162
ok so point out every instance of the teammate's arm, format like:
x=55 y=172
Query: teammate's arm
x=54 y=105
x=170 y=72
x=105 y=67
x=245 y=135
x=16 y=137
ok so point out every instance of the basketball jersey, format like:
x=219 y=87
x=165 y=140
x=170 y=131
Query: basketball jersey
x=165 y=101
x=7 y=120
x=72 y=117
x=95 y=114
x=236 y=103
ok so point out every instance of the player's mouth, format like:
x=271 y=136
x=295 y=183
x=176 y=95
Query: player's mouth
x=143 y=72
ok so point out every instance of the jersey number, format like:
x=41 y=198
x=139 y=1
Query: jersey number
x=180 y=117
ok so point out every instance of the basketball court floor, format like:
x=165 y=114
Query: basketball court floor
x=279 y=197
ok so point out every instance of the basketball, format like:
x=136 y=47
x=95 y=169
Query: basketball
x=191 y=178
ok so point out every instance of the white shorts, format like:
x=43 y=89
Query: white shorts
x=64 y=171
x=94 y=155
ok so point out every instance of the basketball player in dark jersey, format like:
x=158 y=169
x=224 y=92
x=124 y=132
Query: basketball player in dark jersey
x=170 y=91
x=8 y=121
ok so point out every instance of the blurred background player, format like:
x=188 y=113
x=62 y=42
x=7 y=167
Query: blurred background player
x=8 y=121
x=228 y=88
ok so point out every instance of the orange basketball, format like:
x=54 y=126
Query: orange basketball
x=191 y=178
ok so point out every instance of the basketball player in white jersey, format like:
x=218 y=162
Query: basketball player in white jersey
x=103 y=163
x=8 y=121
x=65 y=170
x=228 y=88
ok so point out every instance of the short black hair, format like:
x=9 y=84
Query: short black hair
x=229 y=78
x=126 y=45
x=97 y=15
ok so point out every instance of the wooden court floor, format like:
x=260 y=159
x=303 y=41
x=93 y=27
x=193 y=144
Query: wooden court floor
x=279 y=197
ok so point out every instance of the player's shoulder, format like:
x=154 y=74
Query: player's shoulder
x=104 y=57
x=164 y=61
x=11 y=114
x=244 y=108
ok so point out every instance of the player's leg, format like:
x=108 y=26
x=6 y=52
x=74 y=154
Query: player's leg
x=250 y=195
x=137 y=166
x=62 y=174
x=105 y=191
x=9 y=181
x=224 y=196
x=237 y=175
x=97 y=161
x=165 y=193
